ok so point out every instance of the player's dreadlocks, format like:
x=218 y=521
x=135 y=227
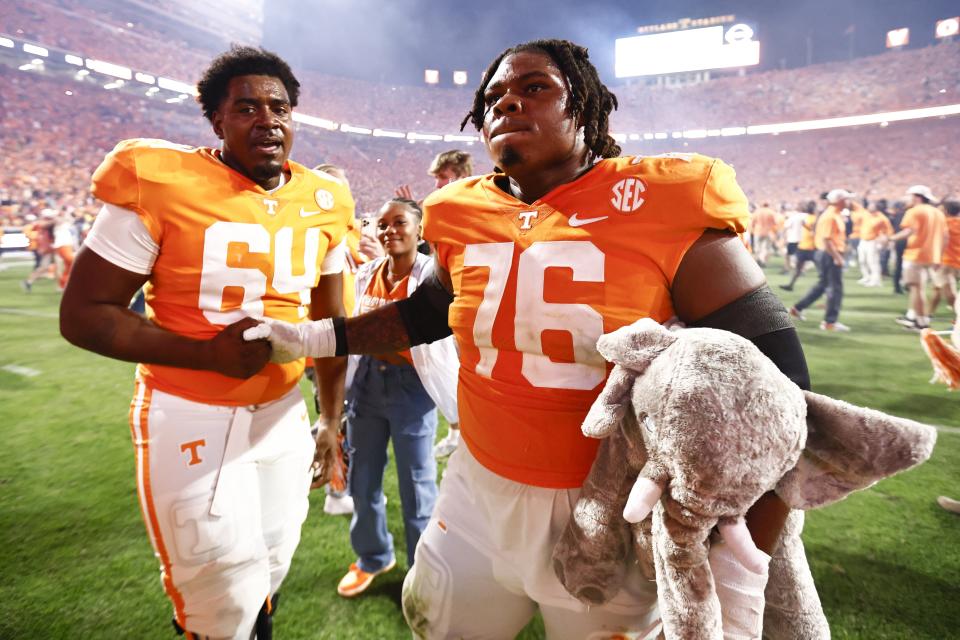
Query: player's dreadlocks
x=590 y=100
x=242 y=61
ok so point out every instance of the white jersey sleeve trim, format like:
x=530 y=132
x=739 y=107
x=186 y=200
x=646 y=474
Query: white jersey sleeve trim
x=335 y=260
x=120 y=237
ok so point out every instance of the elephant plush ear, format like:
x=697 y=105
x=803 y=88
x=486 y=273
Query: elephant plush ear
x=611 y=405
x=635 y=346
x=850 y=448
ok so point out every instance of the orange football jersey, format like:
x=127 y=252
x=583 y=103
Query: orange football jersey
x=537 y=284
x=228 y=250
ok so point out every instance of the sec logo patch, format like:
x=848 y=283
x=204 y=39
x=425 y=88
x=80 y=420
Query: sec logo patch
x=627 y=195
x=324 y=199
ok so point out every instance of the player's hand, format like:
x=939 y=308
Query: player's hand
x=838 y=261
x=286 y=339
x=403 y=191
x=232 y=355
x=370 y=248
x=291 y=342
x=325 y=455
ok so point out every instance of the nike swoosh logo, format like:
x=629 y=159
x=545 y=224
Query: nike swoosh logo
x=307 y=214
x=576 y=221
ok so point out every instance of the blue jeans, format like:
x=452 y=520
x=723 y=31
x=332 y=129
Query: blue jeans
x=829 y=282
x=387 y=402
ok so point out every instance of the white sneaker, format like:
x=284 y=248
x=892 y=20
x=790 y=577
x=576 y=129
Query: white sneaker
x=834 y=326
x=338 y=505
x=949 y=504
x=448 y=445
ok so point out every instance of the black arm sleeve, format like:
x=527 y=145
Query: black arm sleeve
x=761 y=318
x=424 y=313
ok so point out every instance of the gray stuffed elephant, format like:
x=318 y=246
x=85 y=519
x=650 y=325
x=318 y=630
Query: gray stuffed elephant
x=698 y=425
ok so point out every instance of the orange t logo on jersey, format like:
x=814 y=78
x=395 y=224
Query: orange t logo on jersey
x=192 y=446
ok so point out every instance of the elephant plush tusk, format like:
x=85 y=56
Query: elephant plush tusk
x=737 y=537
x=643 y=496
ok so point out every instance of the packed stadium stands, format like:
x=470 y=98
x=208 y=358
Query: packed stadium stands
x=68 y=132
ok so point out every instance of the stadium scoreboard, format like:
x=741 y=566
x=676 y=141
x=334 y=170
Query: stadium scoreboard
x=726 y=45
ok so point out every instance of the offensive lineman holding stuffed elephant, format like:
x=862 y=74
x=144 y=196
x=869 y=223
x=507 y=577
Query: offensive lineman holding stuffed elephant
x=534 y=263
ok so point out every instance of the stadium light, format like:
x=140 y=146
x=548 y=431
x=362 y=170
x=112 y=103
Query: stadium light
x=460 y=78
x=177 y=86
x=713 y=133
x=948 y=28
x=733 y=131
x=349 y=128
x=76 y=61
x=452 y=137
x=648 y=136
x=856 y=121
x=6 y=42
x=693 y=134
x=83 y=73
x=109 y=69
x=116 y=84
x=145 y=78
x=660 y=135
x=314 y=121
x=898 y=38
x=619 y=137
x=384 y=133
x=431 y=76
x=634 y=136
x=35 y=50
x=413 y=135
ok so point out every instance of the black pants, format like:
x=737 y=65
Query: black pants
x=829 y=282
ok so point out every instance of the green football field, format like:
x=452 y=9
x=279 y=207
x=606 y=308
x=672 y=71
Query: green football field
x=76 y=562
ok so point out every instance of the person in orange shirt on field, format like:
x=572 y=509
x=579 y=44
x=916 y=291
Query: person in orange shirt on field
x=221 y=238
x=875 y=232
x=945 y=276
x=830 y=238
x=763 y=230
x=534 y=262
x=925 y=229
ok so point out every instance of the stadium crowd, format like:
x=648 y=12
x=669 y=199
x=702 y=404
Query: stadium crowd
x=890 y=81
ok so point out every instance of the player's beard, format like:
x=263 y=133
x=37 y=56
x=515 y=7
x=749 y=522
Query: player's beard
x=267 y=171
x=509 y=157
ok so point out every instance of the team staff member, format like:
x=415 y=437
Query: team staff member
x=830 y=238
x=222 y=438
x=534 y=263
x=924 y=227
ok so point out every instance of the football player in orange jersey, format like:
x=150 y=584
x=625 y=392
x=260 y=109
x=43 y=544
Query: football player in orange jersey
x=566 y=241
x=222 y=437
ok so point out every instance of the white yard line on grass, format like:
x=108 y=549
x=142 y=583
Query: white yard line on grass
x=953 y=430
x=16 y=369
x=28 y=312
